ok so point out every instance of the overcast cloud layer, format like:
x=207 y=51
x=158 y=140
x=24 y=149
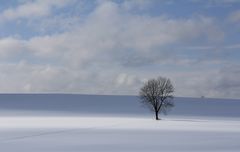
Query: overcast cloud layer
x=112 y=47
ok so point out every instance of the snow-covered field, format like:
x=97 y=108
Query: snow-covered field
x=61 y=134
x=29 y=125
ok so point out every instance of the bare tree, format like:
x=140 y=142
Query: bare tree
x=157 y=94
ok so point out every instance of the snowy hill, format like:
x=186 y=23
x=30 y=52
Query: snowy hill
x=72 y=104
x=31 y=122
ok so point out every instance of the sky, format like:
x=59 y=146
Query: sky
x=114 y=46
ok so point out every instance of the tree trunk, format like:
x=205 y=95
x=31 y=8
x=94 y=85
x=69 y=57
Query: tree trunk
x=156 y=114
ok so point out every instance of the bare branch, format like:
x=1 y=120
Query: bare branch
x=157 y=94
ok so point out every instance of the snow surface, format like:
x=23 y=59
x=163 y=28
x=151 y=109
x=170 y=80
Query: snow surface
x=73 y=123
x=63 y=134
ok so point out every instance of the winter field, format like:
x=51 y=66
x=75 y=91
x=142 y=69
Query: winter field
x=73 y=123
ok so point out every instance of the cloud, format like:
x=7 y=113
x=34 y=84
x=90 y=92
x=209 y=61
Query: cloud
x=137 y=4
x=217 y=3
x=222 y=83
x=225 y=1
x=24 y=77
x=10 y=46
x=110 y=35
x=31 y=9
x=227 y=83
x=213 y=47
x=234 y=46
x=234 y=17
x=127 y=80
x=109 y=51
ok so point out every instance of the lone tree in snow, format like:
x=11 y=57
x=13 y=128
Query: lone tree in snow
x=157 y=94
